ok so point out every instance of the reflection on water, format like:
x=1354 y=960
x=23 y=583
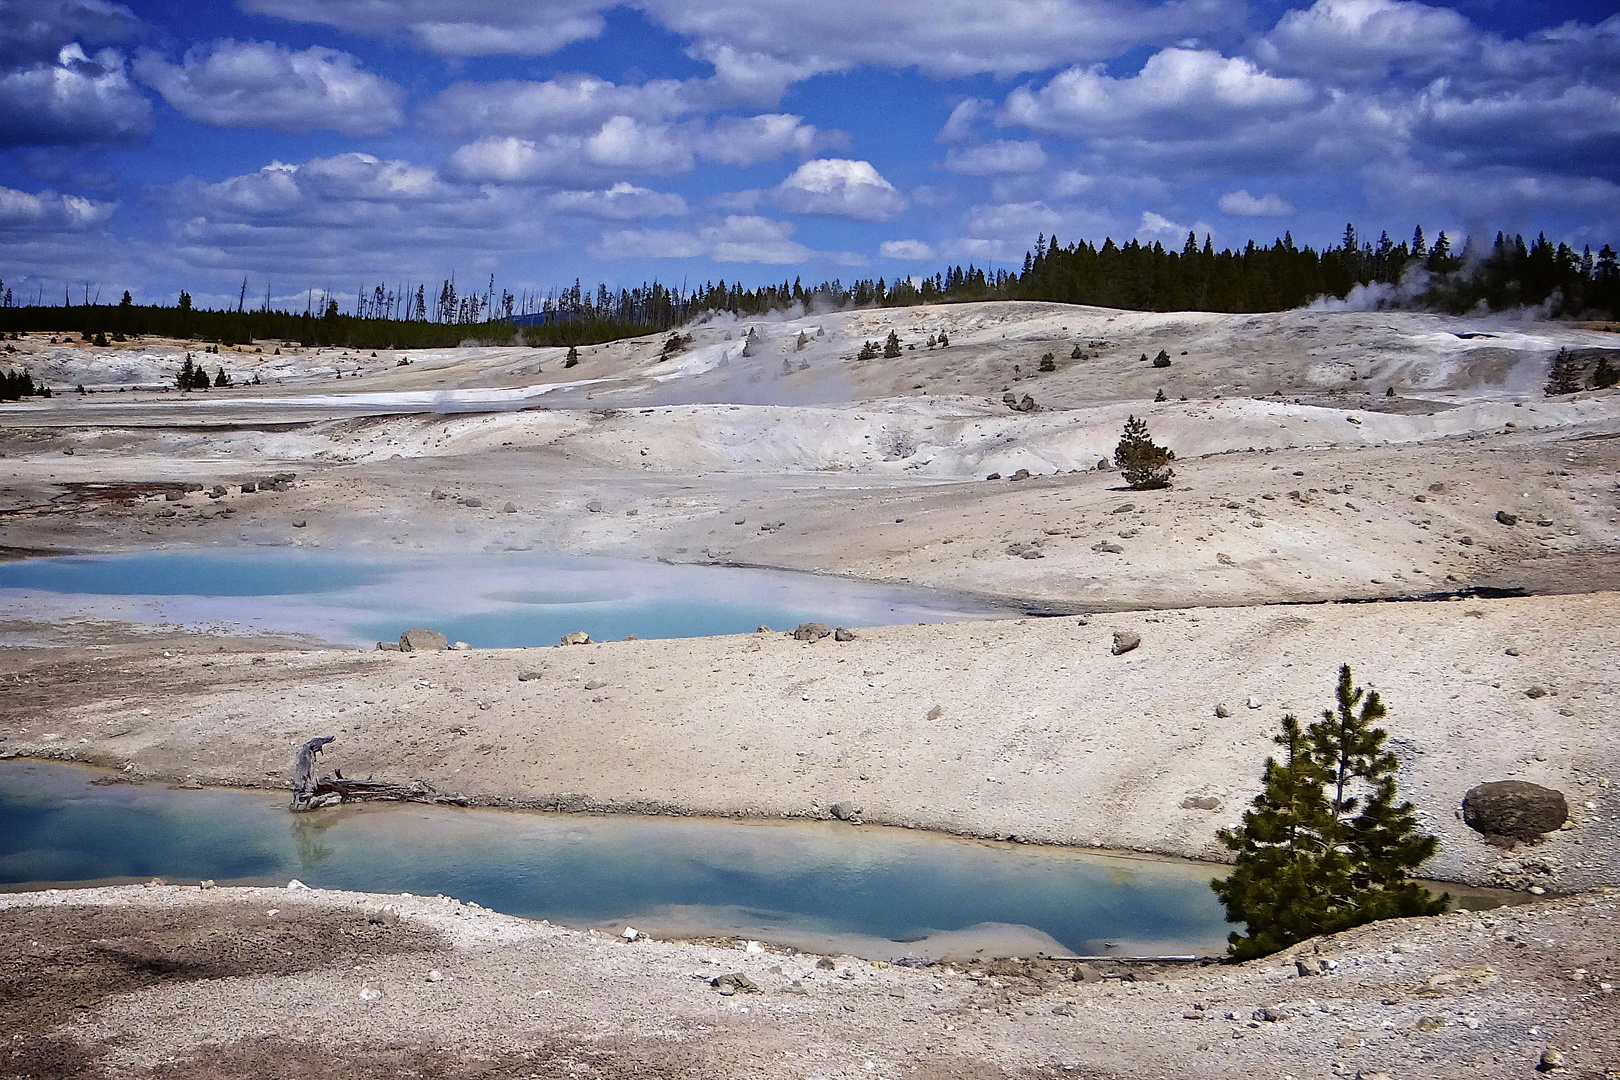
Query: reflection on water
x=489 y=601
x=787 y=881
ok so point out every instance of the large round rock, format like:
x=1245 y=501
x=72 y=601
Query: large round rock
x=1514 y=808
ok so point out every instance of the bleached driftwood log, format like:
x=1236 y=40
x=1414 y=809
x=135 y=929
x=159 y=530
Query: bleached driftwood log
x=312 y=793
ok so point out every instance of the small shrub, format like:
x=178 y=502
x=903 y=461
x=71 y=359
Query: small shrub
x=572 y=359
x=1048 y=363
x=891 y=346
x=869 y=351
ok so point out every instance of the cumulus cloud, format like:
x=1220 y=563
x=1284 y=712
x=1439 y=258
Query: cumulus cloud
x=458 y=29
x=620 y=145
x=76 y=99
x=36 y=30
x=565 y=103
x=48 y=211
x=959 y=127
x=908 y=250
x=1158 y=228
x=259 y=84
x=733 y=140
x=738 y=238
x=839 y=187
x=995 y=159
x=1365 y=39
x=621 y=202
x=1176 y=89
x=345 y=211
x=1242 y=204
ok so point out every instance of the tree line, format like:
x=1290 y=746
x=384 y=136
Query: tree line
x=1135 y=276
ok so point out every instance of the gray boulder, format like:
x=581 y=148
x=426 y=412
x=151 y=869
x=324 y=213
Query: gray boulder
x=1125 y=641
x=1506 y=518
x=578 y=637
x=1514 y=808
x=843 y=633
x=388 y=646
x=843 y=811
x=417 y=639
x=811 y=631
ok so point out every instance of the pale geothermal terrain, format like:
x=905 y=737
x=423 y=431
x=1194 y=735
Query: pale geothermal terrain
x=1300 y=482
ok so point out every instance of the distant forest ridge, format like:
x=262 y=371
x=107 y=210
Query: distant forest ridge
x=1412 y=274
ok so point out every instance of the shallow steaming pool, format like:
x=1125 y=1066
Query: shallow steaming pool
x=877 y=892
x=488 y=601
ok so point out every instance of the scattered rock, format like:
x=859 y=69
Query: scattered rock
x=1253 y=703
x=509 y=508
x=1123 y=508
x=1125 y=641
x=528 y=676
x=439 y=494
x=1108 y=547
x=825 y=964
x=206 y=883
x=595 y=684
x=594 y=506
x=173 y=496
x=1536 y=692
x=460 y=646
x=811 y=631
x=294 y=885
x=472 y=502
x=843 y=633
x=388 y=646
x=435 y=976
x=299 y=524
x=578 y=637
x=630 y=933
x=417 y=639
x=1222 y=711
x=935 y=713
x=1511 y=651
x=1103 y=464
x=1551 y=1060
x=1200 y=802
x=1514 y=808
x=843 y=811
x=1505 y=518
x=1021 y=474
x=994 y=476
x=733 y=983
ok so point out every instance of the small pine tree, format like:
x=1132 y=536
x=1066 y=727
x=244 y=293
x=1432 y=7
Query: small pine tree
x=1390 y=392
x=1048 y=363
x=222 y=379
x=1564 y=377
x=183 y=380
x=1324 y=846
x=1145 y=465
x=869 y=351
x=891 y=346
x=944 y=341
x=572 y=359
x=1606 y=375
x=1160 y=395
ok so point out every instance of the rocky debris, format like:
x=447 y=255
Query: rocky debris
x=1307 y=967
x=1200 y=802
x=249 y=488
x=1021 y=474
x=843 y=633
x=1108 y=547
x=460 y=646
x=1125 y=641
x=419 y=639
x=300 y=523
x=1535 y=692
x=825 y=964
x=1017 y=404
x=173 y=496
x=509 y=508
x=1505 y=518
x=1514 y=808
x=472 y=502
x=1253 y=702
x=733 y=983
x=594 y=506
x=994 y=476
x=595 y=684
x=630 y=933
x=528 y=676
x=578 y=637
x=1123 y=508
x=1551 y=1061
x=844 y=811
x=388 y=646
x=1104 y=465
x=439 y=493
x=1222 y=711
x=434 y=975
x=811 y=631
x=217 y=491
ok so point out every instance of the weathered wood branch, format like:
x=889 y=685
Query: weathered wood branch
x=312 y=793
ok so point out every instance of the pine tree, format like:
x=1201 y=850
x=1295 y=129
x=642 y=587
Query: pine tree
x=572 y=359
x=869 y=351
x=1325 y=846
x=1144 y=464
x=1564 y=377
x=1605 y=375
x=891 y=346
x=182 y=381
x=220 y=379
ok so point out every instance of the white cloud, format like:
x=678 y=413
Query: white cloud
x=460 y=28
x=566 y=103
x=621 y=202
x=995 y=159
x=959 y=127
x=1176 y=90
x=1242 y=204
x=74 y=100
x=48 y=211
x=770 y=45
x=259 y=84
x=1363 y=39
x=909 y=250
x=620 y=145
x=1157 y=227
x=738 y=238
x=733 y=140
x=623 y=143
x=839 y=187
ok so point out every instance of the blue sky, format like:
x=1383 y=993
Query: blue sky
x=325 y=143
